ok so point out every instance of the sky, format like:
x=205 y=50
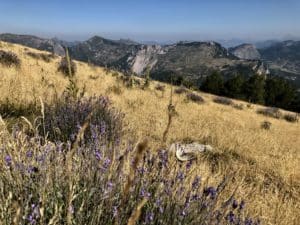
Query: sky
x=155 y=20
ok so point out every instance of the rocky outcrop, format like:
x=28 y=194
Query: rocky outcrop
x=146 y=58
x=186 y=152
x=245 y=51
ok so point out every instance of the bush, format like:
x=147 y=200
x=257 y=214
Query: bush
x=238 y=106
x=116 y=89
x=9 y=59
x=160 y=87
x=10 y=109
x=266 y=125
x=293 y=118
x=95 y=188
x=223 y=101
x=270 y=112
x=127 y=80
x=181 y=90
x=66 y=115
x=43 y=56
x=195 y=98
x=94 y=77
x=64 y=67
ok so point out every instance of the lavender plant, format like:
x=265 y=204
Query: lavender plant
x=64 y=118
x=54 y=183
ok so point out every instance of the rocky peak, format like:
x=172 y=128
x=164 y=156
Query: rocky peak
x=245 y=51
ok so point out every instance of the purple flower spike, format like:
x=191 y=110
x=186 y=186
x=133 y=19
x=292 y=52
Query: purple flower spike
x=8 y=160
x=242 y=205
x=98 y=155
x=196 y=182
x=230 y=217
x=210 y=191
x=234 y=204
x=29 y=154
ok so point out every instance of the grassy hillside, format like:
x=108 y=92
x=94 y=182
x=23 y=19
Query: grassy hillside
x=266 y=163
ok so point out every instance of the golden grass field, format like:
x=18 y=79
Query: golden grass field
x=266 y=162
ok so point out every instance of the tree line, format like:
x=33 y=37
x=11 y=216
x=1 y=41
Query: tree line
x=270 y=91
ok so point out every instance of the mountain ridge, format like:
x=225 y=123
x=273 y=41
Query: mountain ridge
x=193 y=60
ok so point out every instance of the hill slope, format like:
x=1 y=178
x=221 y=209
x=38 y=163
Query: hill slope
x=267 y=163
x=245 y=51
x=284 y=59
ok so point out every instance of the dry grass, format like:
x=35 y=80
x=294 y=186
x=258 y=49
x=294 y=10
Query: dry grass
x=267 y=164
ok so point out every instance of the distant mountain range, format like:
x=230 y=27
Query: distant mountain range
x=192 y=61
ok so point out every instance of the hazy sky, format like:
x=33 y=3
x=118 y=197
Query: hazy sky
x=152 y=19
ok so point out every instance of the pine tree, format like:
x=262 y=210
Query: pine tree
x=213 y=84
x=279 y=92
x=255 y=89
x=234 y=87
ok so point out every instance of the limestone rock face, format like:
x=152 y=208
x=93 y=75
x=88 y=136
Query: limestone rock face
x=145 y=58
x=246 y=51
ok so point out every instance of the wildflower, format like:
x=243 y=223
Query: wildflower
x=234 y=204
x=29 y=154
x=194 y=197
x=98 y=155
x=34 y=215
x=180 y=176
x=102 y=128
x=115 y=211
x=210 y=191
x=230 y=217
x=41 y=158
x=20 y=167
x=31 y=219
x=8 y=160
x=248 y=221
x=242 y=205
x=149 y=217
x=106 y=163
x=32 y=169
x=158 y=204
x=189 y=165
x=163 y=157
x=145 y=194
x=141 y=170
x=109 y=184
x=196 y=183
x=71 y=209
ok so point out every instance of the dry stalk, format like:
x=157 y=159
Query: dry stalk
x=137 y=212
